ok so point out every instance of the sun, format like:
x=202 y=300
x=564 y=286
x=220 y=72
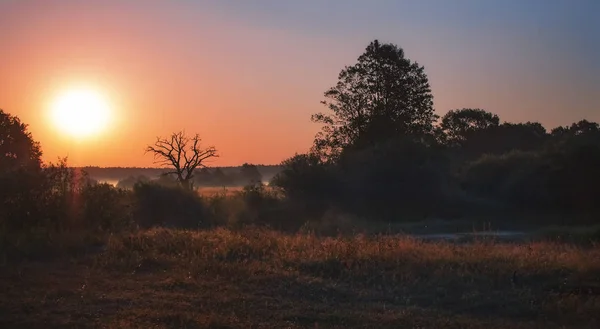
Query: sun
x=80 y=113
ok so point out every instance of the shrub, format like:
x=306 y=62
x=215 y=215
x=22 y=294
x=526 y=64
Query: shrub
x=107 y=209
x=308 y=181
x=20 y=173
x=263 y=207
x=158 y=205
x=393 y=179
x=563 y=177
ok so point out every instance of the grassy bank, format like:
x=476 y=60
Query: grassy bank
x=261 y=279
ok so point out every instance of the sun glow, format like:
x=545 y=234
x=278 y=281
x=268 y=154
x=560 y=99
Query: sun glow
x=80 y=113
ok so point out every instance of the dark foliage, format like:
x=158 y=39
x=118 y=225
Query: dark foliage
x=20 y=171
x=308 y=180
x=563 y=176
x=159 y=205
x=382 y=96
x=379 y=155
x=395 y=178
x=460 y=126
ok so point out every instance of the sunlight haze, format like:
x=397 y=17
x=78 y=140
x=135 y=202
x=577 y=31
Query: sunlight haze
x=247 y=75
x=80 y=113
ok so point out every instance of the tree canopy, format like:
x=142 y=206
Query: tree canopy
x=18 y=150
x=382 y=96
x=460 y=125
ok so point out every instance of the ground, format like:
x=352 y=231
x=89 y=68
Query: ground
x=259 y=279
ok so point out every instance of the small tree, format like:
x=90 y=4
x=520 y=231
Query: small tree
x=183 y=153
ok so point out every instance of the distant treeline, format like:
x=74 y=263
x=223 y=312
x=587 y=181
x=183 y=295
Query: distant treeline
x=214 y=176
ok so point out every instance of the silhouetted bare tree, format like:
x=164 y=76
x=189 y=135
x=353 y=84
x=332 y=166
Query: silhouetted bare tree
x=183 y=153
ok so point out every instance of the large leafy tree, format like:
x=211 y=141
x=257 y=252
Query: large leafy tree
x=382 y=96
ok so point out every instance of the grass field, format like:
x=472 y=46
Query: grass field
x=261 y=279
x=210 y=191
x=228 y=191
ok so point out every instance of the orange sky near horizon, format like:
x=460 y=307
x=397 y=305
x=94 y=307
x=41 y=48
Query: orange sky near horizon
x=152 y=95
x=247 y=88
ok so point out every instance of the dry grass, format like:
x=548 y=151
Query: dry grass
x=212 y=191
x=259 y=279
x=224 y=191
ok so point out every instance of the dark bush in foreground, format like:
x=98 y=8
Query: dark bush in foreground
x=108 y=209
x=158 y=205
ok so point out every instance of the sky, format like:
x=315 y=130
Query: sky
x=247 y=75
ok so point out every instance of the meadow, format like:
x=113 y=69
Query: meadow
x=257 y=278
x=212 y=191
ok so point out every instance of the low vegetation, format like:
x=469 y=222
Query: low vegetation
x=220 y=278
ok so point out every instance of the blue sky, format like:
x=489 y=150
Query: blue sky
x=543 y=49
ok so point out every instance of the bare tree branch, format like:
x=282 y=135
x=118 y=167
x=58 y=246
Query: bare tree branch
x=183 y=153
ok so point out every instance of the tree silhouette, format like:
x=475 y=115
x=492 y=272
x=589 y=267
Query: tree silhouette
x=306 y=178
x=382 y=96
x=507 y=137
x=580 y=128
x=584 y=127
x=21 y=173
x=183 y=153
x=460 y=125
x=475 y=133
x=18 y=150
